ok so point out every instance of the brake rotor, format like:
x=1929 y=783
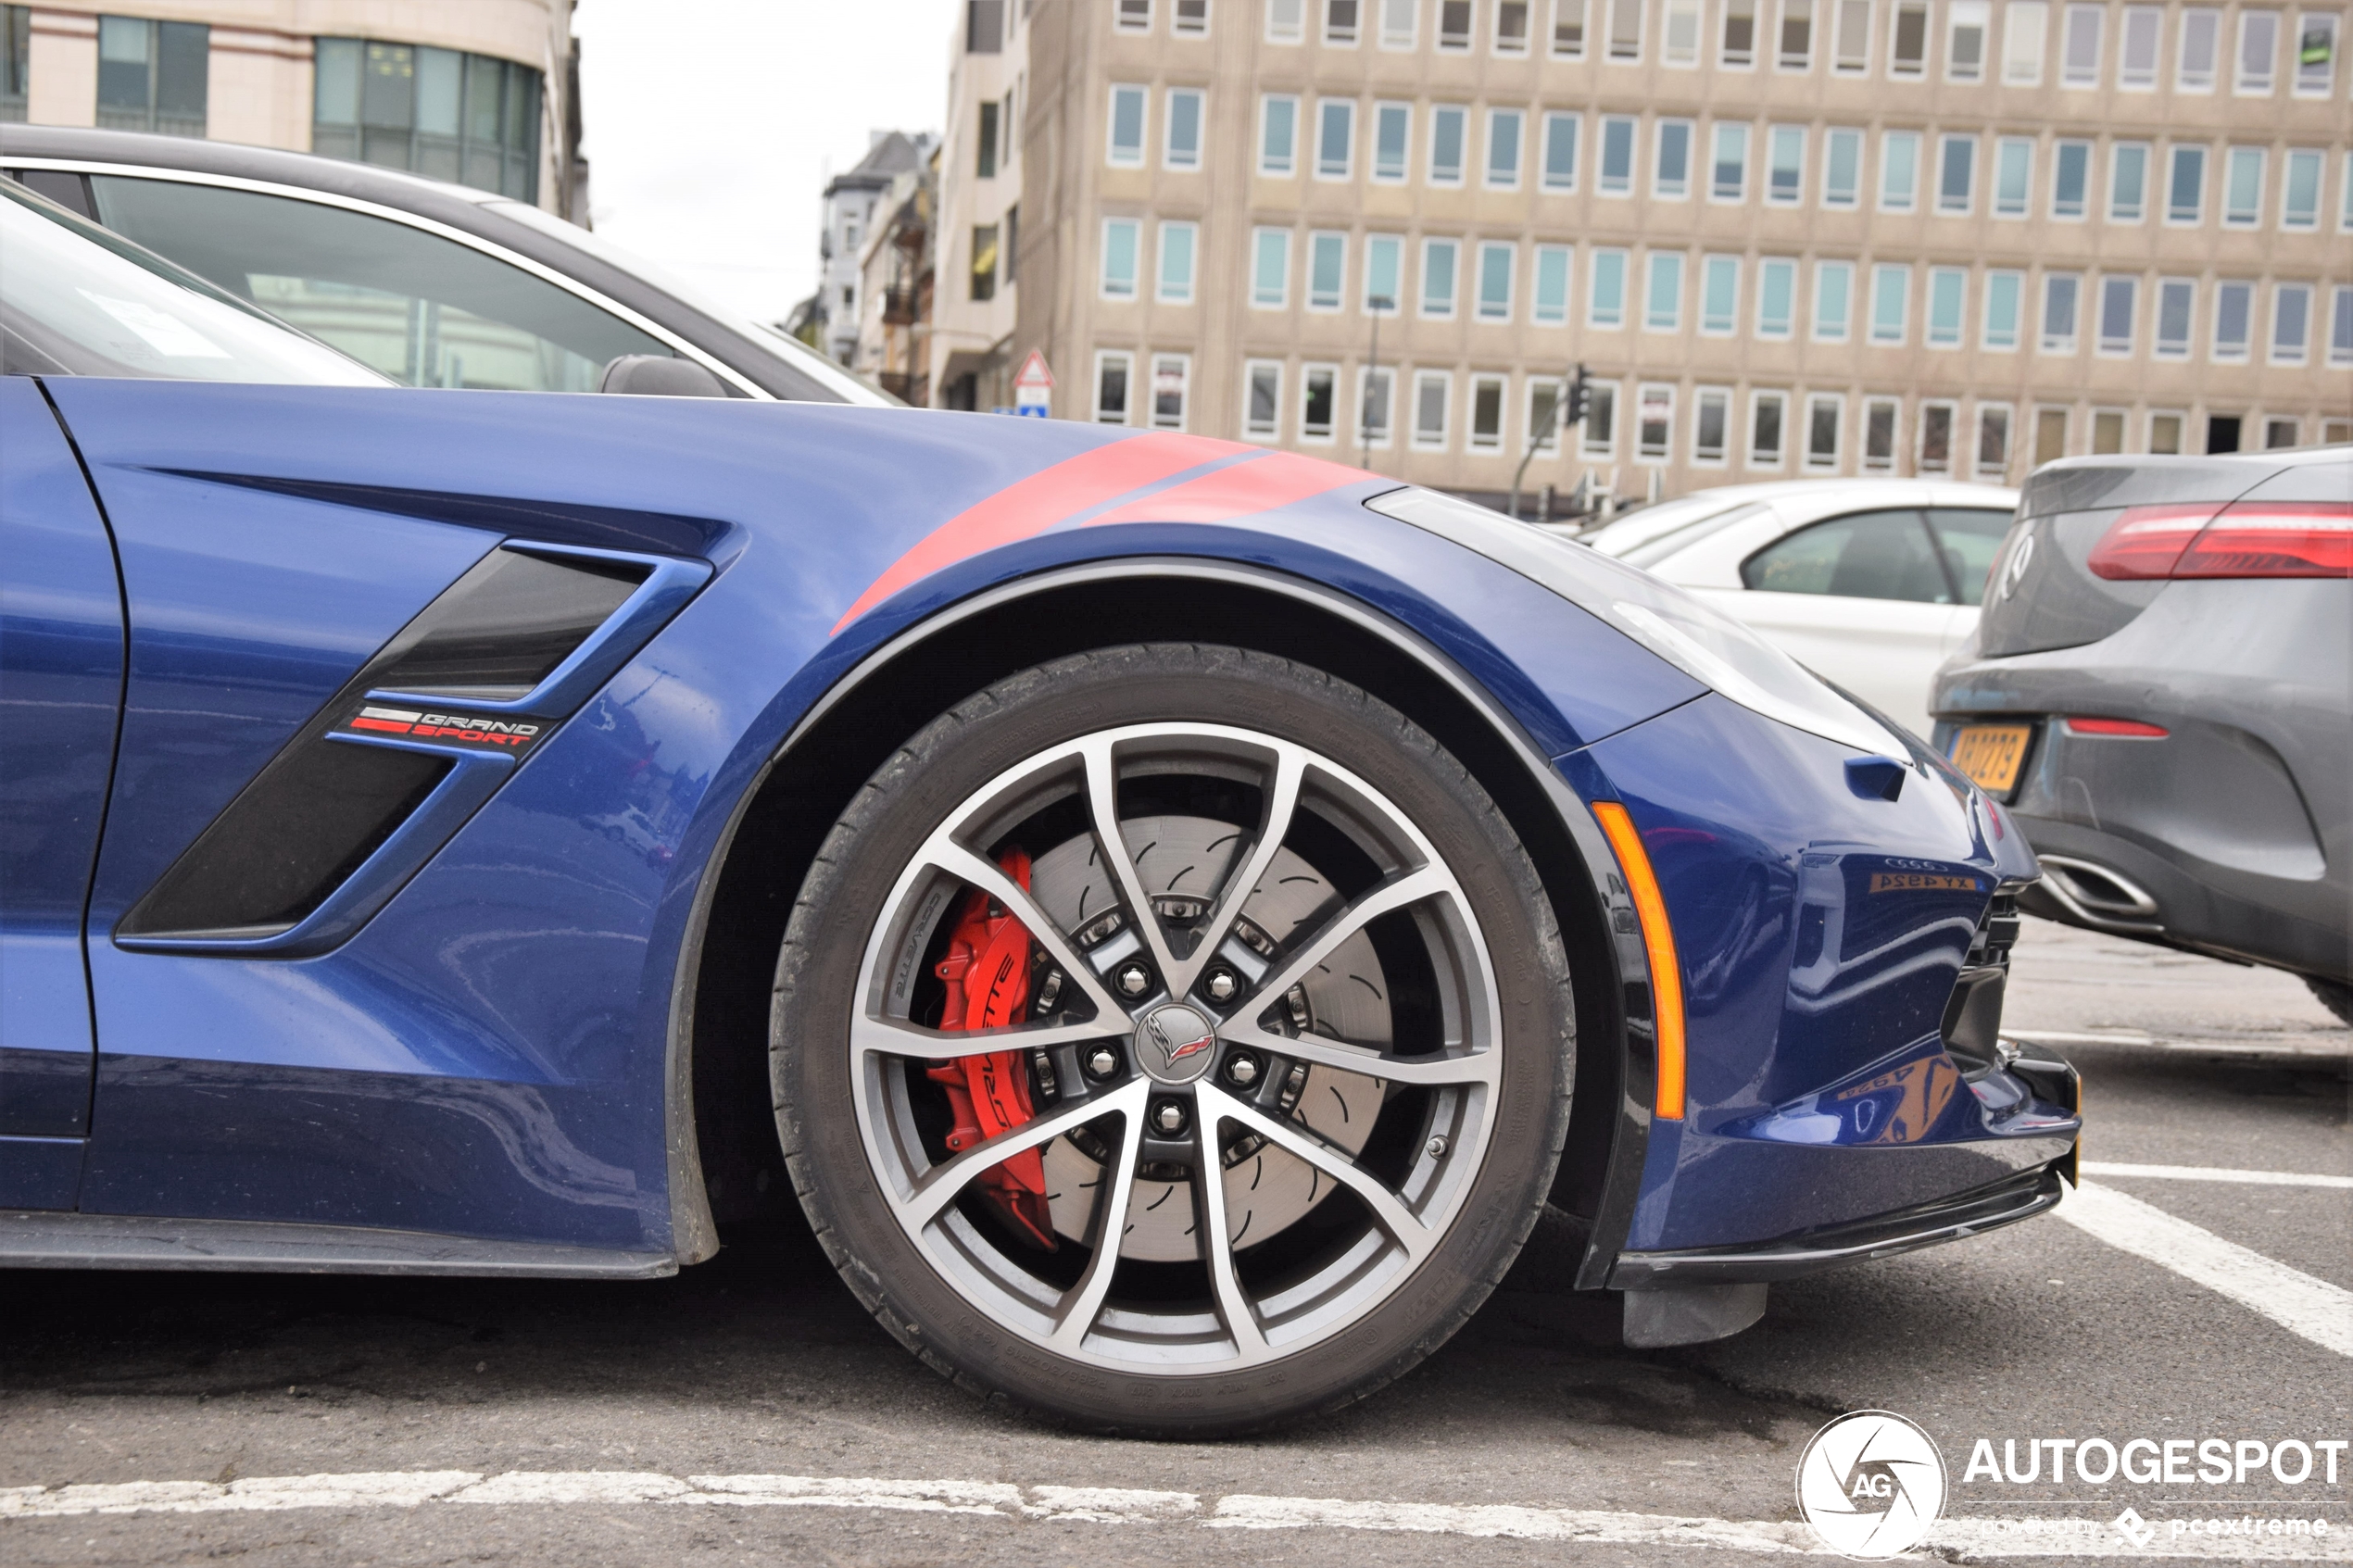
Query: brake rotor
x=1184 y=861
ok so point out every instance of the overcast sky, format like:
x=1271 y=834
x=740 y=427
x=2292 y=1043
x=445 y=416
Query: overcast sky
x=713 y=125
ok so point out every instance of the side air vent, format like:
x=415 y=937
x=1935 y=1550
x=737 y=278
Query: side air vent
x=503 y=627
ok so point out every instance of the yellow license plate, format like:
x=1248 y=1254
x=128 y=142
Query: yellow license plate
x=1990 y=754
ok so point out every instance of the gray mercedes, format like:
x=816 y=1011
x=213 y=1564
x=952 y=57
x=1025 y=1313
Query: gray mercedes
x=2162 y=689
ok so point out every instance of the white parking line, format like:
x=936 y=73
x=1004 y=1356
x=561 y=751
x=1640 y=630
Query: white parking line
x=2213 y=1173
x=2314 y=1309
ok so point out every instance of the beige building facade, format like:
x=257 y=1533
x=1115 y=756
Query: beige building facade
x=483 y=92
x=1789 y=237
x=975 y=305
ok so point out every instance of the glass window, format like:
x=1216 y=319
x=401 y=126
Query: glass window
x=1438 y=278
x=1399 y=23
x=1824 y=415
x=1327 y=270
x=1625 y=31
x=1601 y=419
x=1662 y=292
x=1384 y=273
x=1277 y=135
x=2243 y=188
x=424 y=310
x=2120 y=309
x=2013 y=176
x=2315 y=54
x=1542 y=434
x=2127 y=179
x=1907 y=48
x=1887 y=554
x=1993 y=441
x=1447 y=135
x=1431 y=390
x=1119 y=257
x=1795 y=49
x=1671 y=178
x=1607 y=305
x=1879 y=417
x=1842 y=167
x=2185 y=187
x=2175 y=297
x=1899 y=171
x=2341 y=325
x=2165 y=434
x=1317 y=401
x=1190 y=19
x=1737 y=46
x=1719 y=304
x=1965 y=41
x=1948 y=296
x=2278 y=433
x=1618 y=155
x=153 y=75
x=2291 y=322
x=1785 y=179
x=1339 y=23
x=1495 y=265
x=2300 y=190
x=1552 y=268
x=1127 y=149
x=1335 y=139
x=1936 y=437
x=1502 y=148
x=1134 y=16
x=985 y=256
x=1971 y=538
x=1112 y=372
x=2050 y=435
x=2005 y=292
x=1376 y=384
x=1184 y=128
x=1956 y=175
x=1568 y=30
x=1768 y=414
x=1270 y=268
x=1560 y=151
x=1177 y=243
x=2137 y=62
x=1454 y=26
x=1263 y=400
x=2258 y=52
x=2234 y=320
x=2344 y=200
x=1711 y=416
x=1891 y=303
x=465 y=117
x=1392 y=135
x=1729 y=181
x=1654 y=422
x=2026 y=24
x=1487 y=413
x=2080 y=62
x=1679 y=43
x=2060 y=291
x=1284 y=18
x=1833 y=298
x=1775 y=296
x=1171 y=374
x=1851 y=37
x=2071 y=179
x=2201 y=47
x=16 y=60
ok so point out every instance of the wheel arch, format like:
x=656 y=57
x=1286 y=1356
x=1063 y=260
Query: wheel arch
x=726 y=1167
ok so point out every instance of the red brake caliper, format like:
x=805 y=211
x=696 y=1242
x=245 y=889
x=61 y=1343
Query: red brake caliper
x=986 y=974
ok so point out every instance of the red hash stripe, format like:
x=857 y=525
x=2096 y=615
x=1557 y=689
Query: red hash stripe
x=387 y=725
x=1242 y=490
x=1029 y=506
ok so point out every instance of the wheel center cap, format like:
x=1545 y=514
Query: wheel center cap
x=1173 y=1043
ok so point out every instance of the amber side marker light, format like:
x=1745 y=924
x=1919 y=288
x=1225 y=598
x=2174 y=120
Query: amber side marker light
x=1658 y=944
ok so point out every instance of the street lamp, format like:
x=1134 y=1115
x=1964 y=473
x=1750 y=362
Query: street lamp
x=1378 y=304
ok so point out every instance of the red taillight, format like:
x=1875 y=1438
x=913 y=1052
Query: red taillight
x=2251 y=539
x=2079 y=724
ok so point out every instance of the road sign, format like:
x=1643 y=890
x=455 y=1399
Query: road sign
x=1033 y=387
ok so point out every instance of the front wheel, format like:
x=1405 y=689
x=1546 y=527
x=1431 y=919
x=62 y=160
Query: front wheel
x=1172 y=1038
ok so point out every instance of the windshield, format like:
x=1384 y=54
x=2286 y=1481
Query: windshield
x=1640 y=528
x=75 y=300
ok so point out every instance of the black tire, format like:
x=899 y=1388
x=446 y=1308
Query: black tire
x=1017 y=718
x=2335 y=996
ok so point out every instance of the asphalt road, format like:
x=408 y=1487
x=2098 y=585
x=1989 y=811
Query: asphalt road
x=759 y=1364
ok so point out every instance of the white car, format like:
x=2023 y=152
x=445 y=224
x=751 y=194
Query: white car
x=1870 y=582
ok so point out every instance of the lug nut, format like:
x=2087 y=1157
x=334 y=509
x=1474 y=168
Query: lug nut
x=1222 y=985
x=1168 y=1117
x=1101 y=1062
x=1134 y=979
x=1436 y=1148
x=1242 y=1070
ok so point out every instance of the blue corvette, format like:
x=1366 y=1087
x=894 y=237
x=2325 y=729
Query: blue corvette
x=1176 y=913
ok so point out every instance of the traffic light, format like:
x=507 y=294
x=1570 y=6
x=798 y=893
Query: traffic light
x=1580 y=393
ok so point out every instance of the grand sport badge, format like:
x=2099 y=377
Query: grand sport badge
x=1870 y=1485
x=445 y=729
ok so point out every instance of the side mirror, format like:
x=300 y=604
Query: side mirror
x=659 y=375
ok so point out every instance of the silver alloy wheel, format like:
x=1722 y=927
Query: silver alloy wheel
x=1434 y=1093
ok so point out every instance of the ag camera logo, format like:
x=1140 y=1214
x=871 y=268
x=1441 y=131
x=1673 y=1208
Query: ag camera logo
x=1871 y=1484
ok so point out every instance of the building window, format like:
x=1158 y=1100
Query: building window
x=1377 y=386
x=1880 y=419
x=2185 y=186
x=2136 y=61
x=1335 y=139
x=1736 y=48
x=1711 y=416
x=1392 y=142
x=2060 y=293
x=1189 y=18
x=2127 y=179
x=1541 y=433
x=2013 y=176
x=1171 y=374
x=2079 y=56
x=2201 y=44
x=1851 y=37
x=1899 y=171
x=2341 y=325
x=1127 y=149
x=2050 y=435
x=2107 y=432
x=1339 y=24
x=1263 y=400
x=2315 y=54
x=1936 y=437
x=2344 y=201
x=1993 y=441
x=2175 y=297
x=1720 y=296
x=985 y=160
x=1511 y=27
x=1785 y=166
x=2234 y=321
x=1454 y=26
x=1431 y=394
x=1625 y=31
x=1550 y=308
x=2300 y=190
x=1133 y=15
x=1438 y=278
x=1728 y=180
x=1956 y=175
x=2279 y=433
x=1662 y=292
x=2259 y=52
x=2165 y=434
x=984 y=277
x=152 y=76
x=1833 y=298
x=1179 y=243
x=1671 y=175
x=1767 y=416
x=1824 y=413
x=1907 y=48
x=1317 y=400
x=1399 y=23
x=1495 y=267
x=2291 y=322
x=1654 y=422
x=1384 y=269
x=1605 y=307
x=1112 y=372
x=1776 y=297
x=1891 y=303
x=1487 y=413
x=2026 y=24
x=984 y=26
x=16 y=60
x=1601 y=419
x=1560 y=152
x=1795 y=49
x=1184 y=128
x=2243 y=188
x=1617 y=156
x=1568 y=30
x=1947 y=299
x=1327 y=270
x=1284 y=20
x=1269 y=268
x=2120 y=307
x=1503 y=149
x=1012 y=253
x=1842 y=167
x=1277 y=137
x=447 y=116
x=1449 y=128
x=1965 y=41
x=2071 y=179
x=2005 y=299
x=1121 y=244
